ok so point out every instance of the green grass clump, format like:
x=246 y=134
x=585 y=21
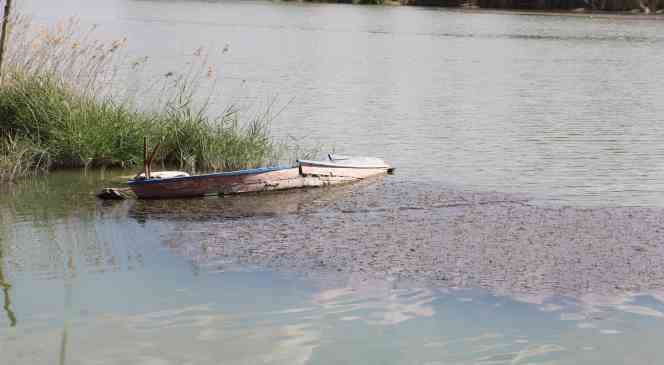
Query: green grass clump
x=75 y=130
x=61 y=106
x=80 y=131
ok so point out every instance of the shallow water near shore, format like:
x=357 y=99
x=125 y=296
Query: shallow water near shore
x=523 y=225
x=193 y=281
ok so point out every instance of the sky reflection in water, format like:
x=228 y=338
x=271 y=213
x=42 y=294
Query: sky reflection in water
x=136 y=295
x=557 y=107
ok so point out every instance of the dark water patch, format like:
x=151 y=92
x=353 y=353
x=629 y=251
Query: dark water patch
x=494 y=241
x=506 y=243
x=297 y=277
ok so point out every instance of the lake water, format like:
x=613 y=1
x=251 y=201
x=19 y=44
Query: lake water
x=479 y=112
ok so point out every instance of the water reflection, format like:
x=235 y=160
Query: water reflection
x=272 y=204
x=500 y=242
x=346 y=286
x=414 y=231
x=555 y=106
x=386 y=305
x=231 y=316
x=5 y=225
x=562 y=108
x=5 y=285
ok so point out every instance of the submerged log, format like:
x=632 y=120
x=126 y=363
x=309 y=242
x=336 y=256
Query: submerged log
x=116 y=194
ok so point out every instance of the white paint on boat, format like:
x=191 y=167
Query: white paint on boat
x=163 y=175
x=348 y=162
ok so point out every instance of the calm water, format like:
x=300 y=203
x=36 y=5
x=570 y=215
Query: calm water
x=561 y=110
x=565 y=108
x=131 y=282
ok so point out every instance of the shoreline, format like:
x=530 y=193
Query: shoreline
x=634 y=14
x=599 y=14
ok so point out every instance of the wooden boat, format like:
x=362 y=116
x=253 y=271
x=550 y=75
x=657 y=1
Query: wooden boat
x=306 y=173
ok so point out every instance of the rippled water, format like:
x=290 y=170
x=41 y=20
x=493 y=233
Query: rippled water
x=566 y=108
x=524 y=224
x=181 y=282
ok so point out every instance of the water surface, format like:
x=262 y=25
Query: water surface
x=523 y=225
x=561 y=107
x=164 y=283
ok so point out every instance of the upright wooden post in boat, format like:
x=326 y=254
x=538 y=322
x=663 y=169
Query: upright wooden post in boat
x=152 y=156
x=653 y=6
x=3 y=34
x=146 y=168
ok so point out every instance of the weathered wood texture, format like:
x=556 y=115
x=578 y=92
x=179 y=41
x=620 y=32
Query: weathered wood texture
x=291 y=178
x=356 y=173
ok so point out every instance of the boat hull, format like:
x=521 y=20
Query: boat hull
x=306 y=174
x=201 y=185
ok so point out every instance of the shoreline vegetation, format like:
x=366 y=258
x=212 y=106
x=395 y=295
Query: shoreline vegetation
x=64 y=103
x=562 y=6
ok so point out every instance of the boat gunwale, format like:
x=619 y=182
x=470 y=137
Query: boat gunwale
x=255 y=171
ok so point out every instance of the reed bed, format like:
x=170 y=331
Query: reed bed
x=21 y=157
x=64 y=102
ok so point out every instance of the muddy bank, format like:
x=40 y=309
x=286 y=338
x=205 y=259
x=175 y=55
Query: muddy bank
x=499 y=242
